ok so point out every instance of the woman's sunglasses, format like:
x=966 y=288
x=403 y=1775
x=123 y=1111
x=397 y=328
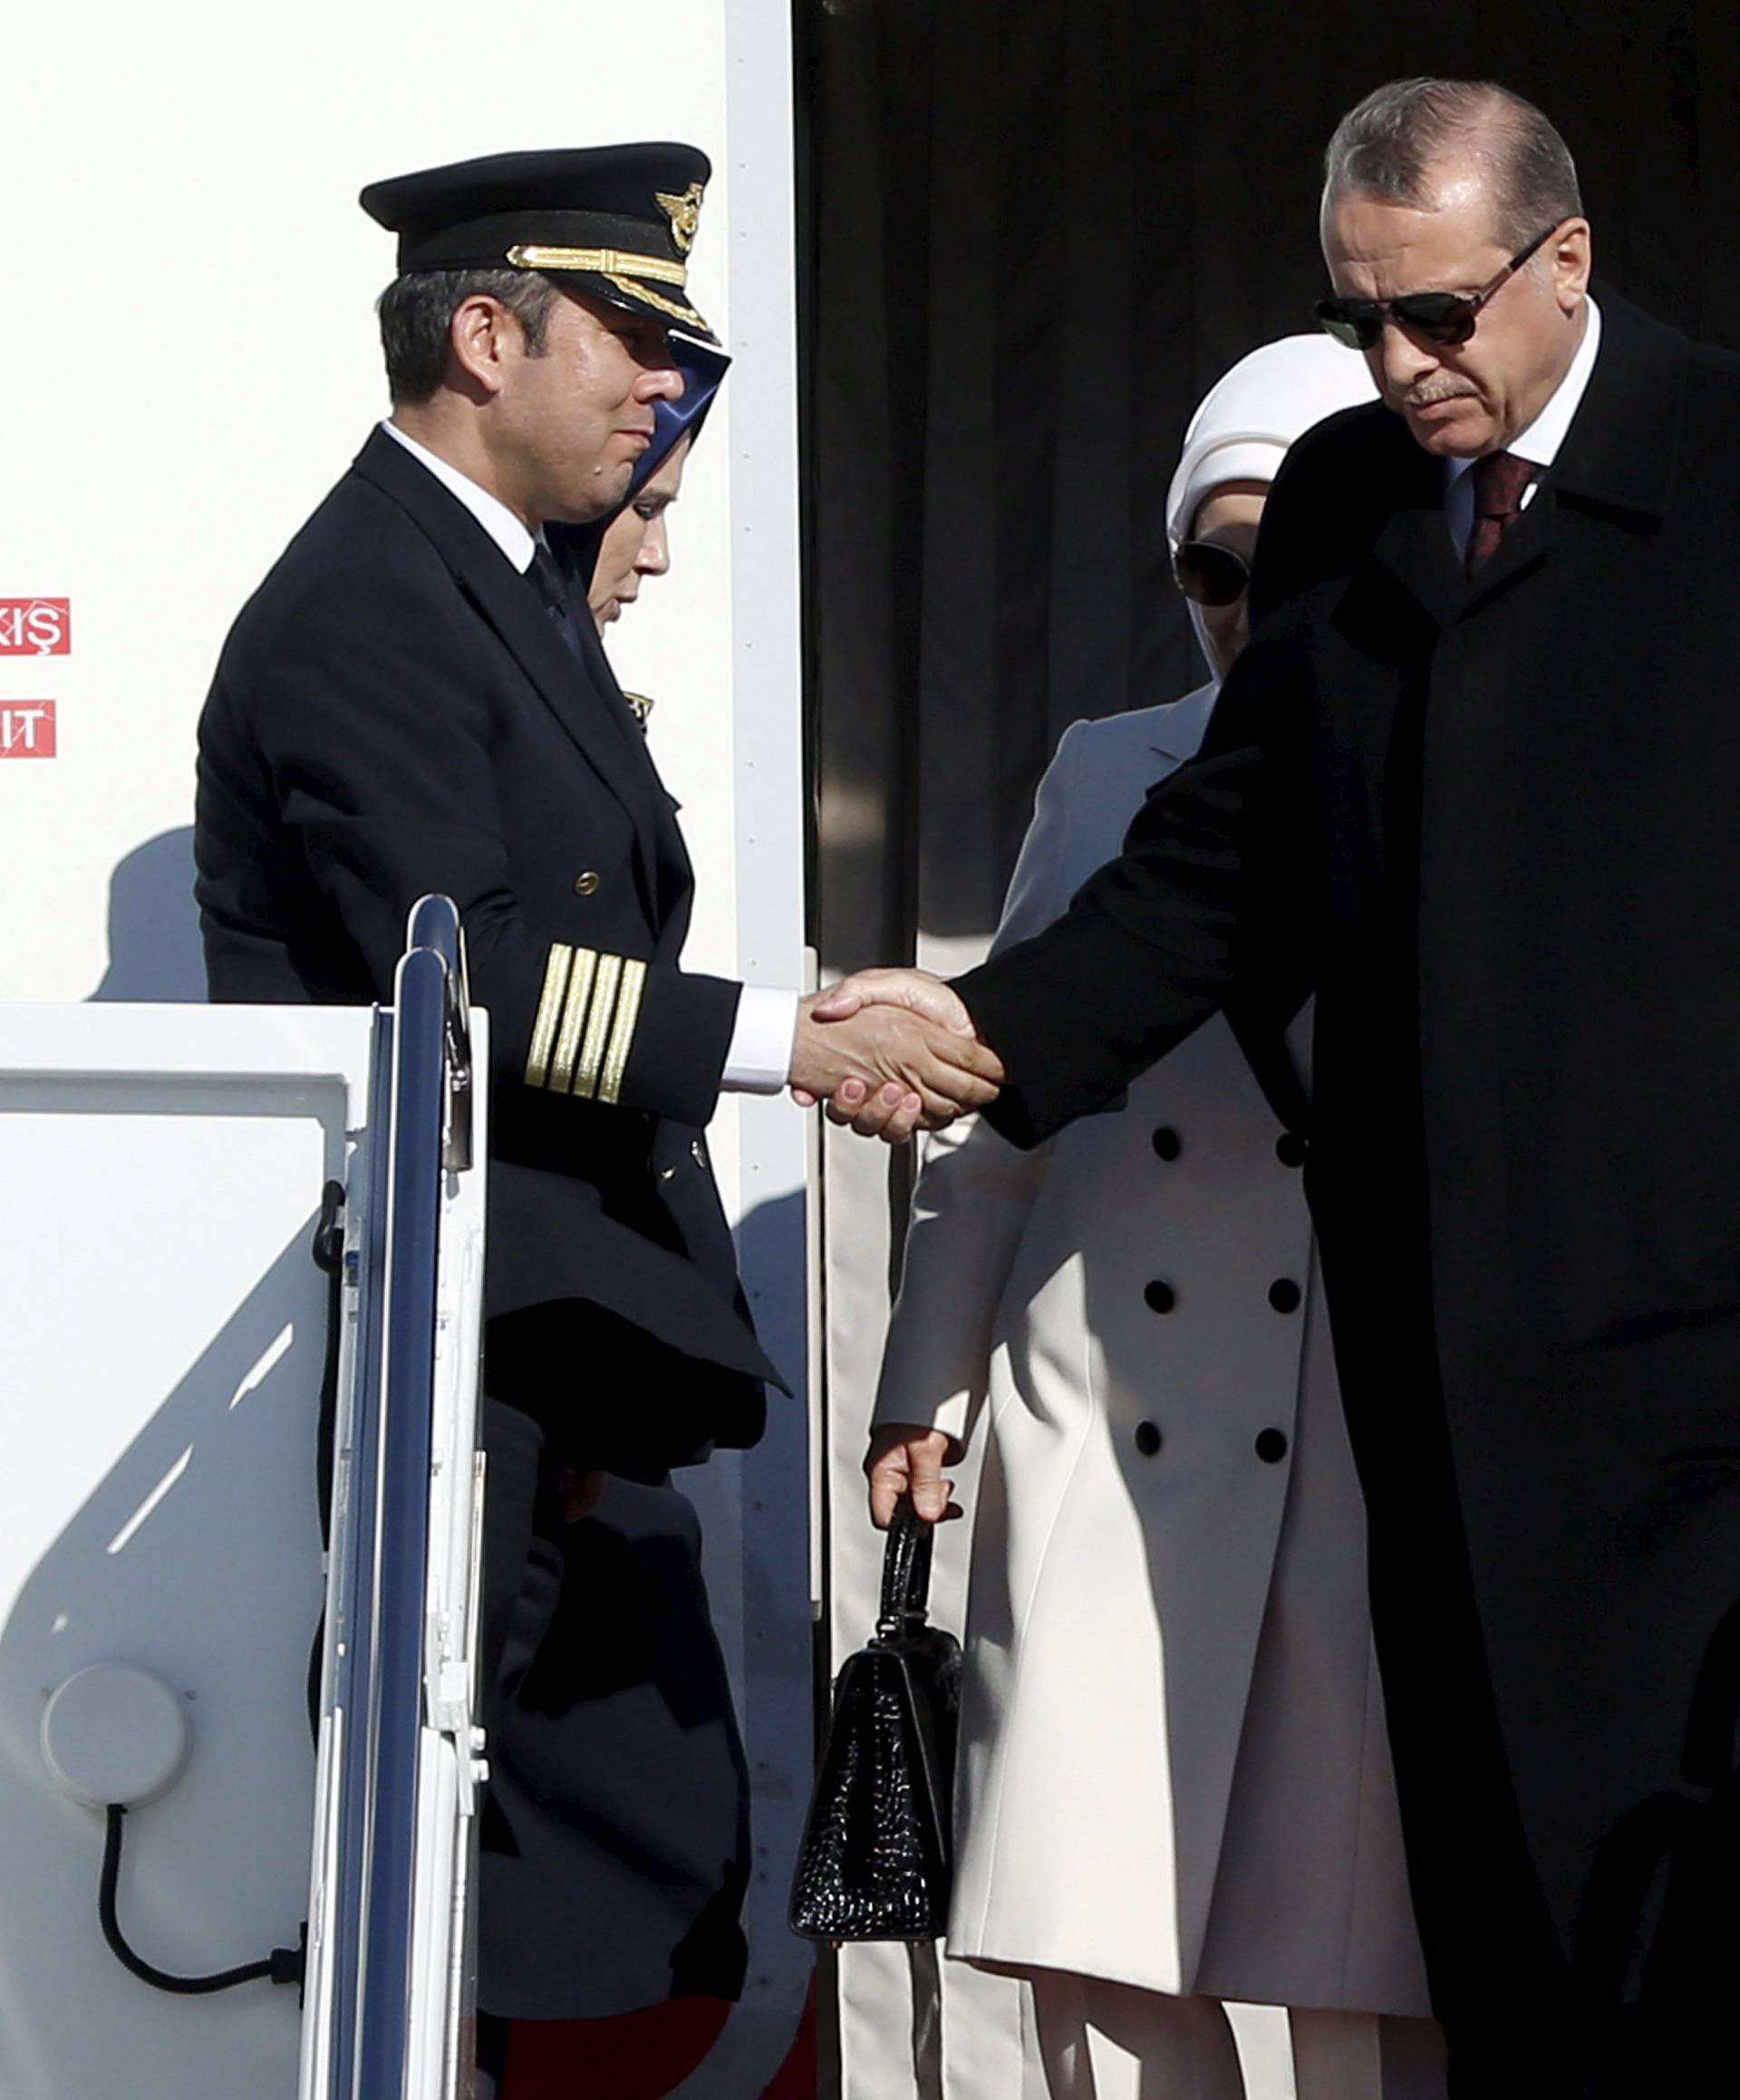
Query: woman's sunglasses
x=1445 y=318
x=1210 y=574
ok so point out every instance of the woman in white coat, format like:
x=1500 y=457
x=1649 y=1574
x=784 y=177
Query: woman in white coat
x=1174 y=1786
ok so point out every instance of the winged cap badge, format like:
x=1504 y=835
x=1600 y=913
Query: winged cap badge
x=684 y=214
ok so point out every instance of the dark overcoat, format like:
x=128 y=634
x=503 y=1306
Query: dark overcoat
x=1495 y=827
x=394 y=713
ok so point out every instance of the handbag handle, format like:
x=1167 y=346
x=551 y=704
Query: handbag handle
x=905 y=1572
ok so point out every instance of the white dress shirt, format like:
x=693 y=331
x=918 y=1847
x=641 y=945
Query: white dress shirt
x=1539 y=444
x=759 y=1058
x=508 y=532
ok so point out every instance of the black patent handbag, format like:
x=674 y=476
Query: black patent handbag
x=876 y=1857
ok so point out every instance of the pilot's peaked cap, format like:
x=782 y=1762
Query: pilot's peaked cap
x=619 y=221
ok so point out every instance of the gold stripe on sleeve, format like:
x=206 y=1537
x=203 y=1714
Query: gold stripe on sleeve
x=574 y=1015
x=549 y=1009
x=622 y=1034
x=585 y=1075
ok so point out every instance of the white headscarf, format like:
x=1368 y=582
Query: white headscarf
x=1249 y=418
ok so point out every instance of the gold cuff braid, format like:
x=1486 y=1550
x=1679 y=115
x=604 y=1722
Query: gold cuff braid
x=549 y=1010
x=622 y=1034
x=583 y=1034
x=592 y=1049
x=574 y=1014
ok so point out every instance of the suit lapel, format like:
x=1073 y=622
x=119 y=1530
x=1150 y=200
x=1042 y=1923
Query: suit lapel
x=582 y=695
x=1415 y=546
x=674 y=876
x=1622 y=448
x=1620 y=451
x=1618 y=454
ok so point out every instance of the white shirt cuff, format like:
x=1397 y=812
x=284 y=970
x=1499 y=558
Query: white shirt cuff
x=759 y=1059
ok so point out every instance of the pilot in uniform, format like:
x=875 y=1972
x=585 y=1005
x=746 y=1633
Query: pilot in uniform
x=408 y=704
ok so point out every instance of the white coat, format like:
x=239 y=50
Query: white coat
x=1174 y=1768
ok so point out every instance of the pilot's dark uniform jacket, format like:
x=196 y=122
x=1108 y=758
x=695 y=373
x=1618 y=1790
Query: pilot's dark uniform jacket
x=396 y=712
x=1515 y=799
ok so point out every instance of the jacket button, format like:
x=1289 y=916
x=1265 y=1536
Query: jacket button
x=1147 y=1439
x=1167 y=1144
x=1291 y=1149
x=667 y=1173
x=1160 y=1297
x=1285 y=1295
x=1271 y=1446
x=584 y=884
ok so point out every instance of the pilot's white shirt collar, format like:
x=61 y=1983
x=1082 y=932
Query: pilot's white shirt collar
x=491 y=512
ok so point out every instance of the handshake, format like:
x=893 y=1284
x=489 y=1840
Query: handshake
x=891 y=1051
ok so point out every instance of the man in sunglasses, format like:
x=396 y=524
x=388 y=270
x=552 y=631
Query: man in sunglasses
x=1476 y=782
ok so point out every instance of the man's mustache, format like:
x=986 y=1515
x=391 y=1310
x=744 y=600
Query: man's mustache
x=1426 y=397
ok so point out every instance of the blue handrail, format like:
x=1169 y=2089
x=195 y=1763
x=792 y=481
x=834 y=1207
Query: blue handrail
x=402 y=1541
x=380 y=1520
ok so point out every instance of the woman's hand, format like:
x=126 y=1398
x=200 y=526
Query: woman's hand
x=905 y=1458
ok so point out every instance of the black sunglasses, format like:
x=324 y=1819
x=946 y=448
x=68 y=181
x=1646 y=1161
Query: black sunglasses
x=1445 y=318
x=1210 y=574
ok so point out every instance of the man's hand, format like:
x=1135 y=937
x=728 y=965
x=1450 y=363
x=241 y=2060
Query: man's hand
x=884 y=1070
x=882 y=1114
x=905 y=1458
x=918 y=990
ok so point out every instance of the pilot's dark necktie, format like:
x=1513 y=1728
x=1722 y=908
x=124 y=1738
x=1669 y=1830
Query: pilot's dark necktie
x=552 y=587
x=1500 y=479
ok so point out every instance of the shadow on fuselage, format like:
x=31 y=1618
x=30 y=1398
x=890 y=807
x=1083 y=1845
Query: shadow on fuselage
x=154 y=950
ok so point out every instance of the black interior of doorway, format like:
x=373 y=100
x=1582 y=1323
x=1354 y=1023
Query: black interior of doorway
x=1034 y=231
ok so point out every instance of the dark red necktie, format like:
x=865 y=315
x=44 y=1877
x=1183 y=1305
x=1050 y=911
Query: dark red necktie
x=1500 y=479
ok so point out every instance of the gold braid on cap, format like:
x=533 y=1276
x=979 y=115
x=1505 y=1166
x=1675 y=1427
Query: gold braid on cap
x=686 y=315
x=602 y=262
